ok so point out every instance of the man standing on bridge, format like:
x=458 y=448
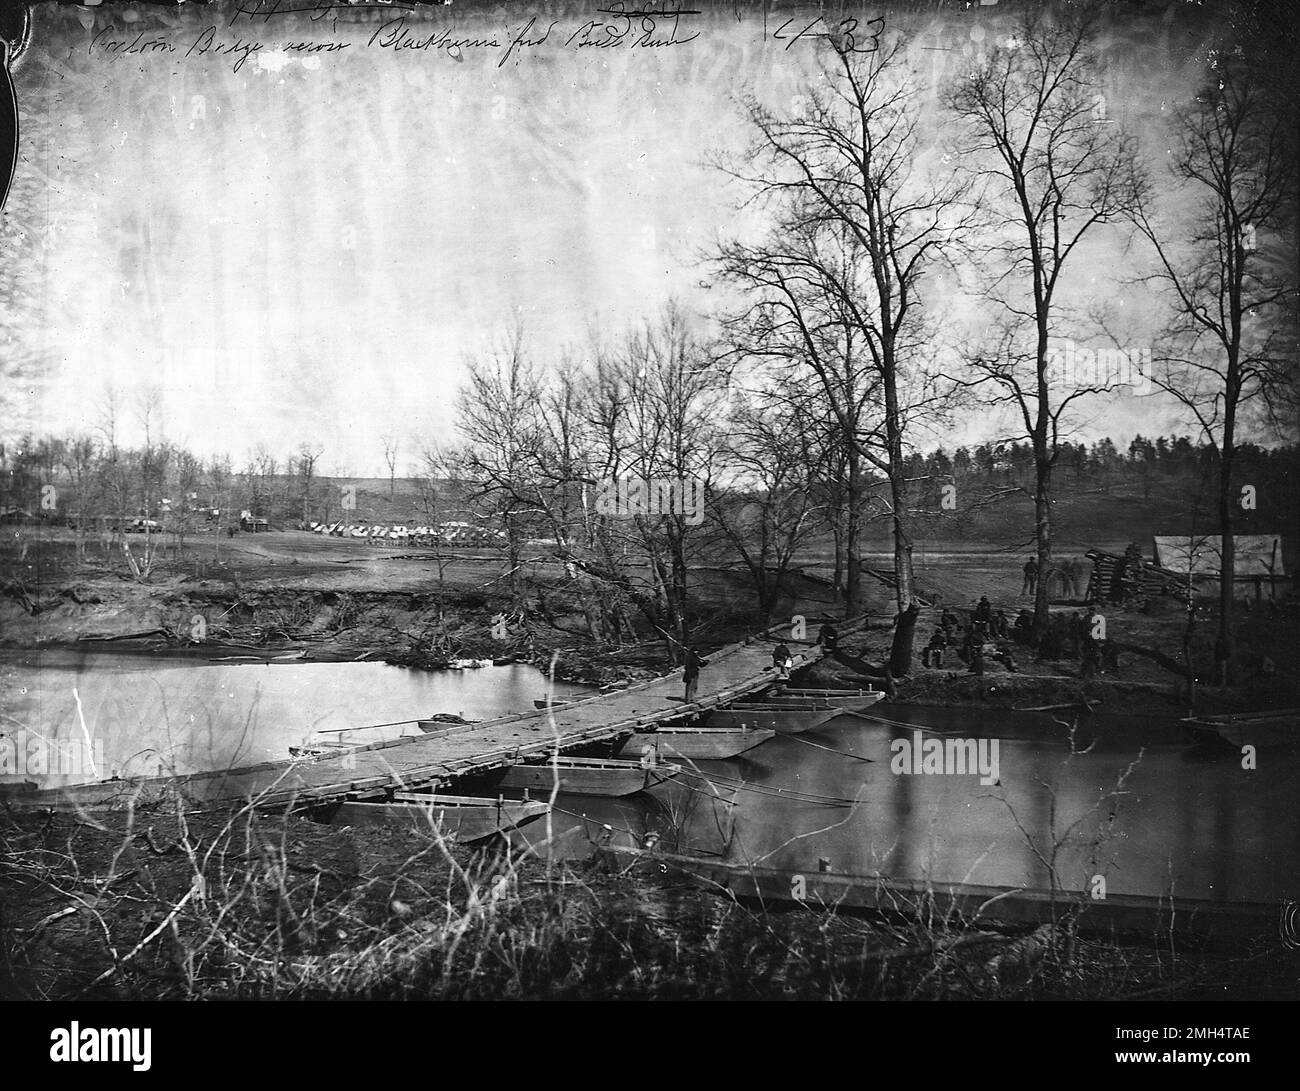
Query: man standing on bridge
x=692 y=662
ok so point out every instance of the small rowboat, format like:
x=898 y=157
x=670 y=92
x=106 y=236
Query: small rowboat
x=463 y=819
x=1277 y=728
x=443 y=721
x=699 y=743
x=319 y=750
x=778 y=718
x=844 y=698
x=587 y=776
x=855 y=702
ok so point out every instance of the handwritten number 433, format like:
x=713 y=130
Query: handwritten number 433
x=847 y=37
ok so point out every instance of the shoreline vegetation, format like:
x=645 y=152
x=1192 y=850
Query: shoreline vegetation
x=249 y=905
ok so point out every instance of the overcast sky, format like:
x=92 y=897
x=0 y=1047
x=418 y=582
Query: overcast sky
x=308 y=247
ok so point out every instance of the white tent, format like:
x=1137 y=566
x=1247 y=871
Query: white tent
x=1253 y=554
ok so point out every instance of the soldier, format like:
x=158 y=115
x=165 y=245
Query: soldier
x=1091 y=650
x=1002 y=654
x=1075 y=634
x=1031 y=576
x=1091 y=657
x=932 y=654
x=691 y=665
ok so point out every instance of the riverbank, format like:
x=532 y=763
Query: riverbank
x=255 y=906
x=414 y=611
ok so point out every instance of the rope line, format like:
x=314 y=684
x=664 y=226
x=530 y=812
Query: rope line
x=829 y=749
x=772 y=790
x=367 y=727
x=900 y=724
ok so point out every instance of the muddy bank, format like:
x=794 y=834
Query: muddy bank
x=205 y=621
x=1039 y=692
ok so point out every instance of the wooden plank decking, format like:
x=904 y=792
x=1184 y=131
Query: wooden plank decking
x=374 y=771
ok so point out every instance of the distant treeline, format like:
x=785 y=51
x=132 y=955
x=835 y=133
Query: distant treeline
x=1145 y=464
x=81 y=478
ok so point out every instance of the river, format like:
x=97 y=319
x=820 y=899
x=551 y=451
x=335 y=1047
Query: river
x=149 y=716
x=1136 y=802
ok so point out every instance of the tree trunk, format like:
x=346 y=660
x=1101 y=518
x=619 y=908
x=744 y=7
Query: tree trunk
x=514 y=551
x=677 y=553
x=900 y=655
x=897 y=487
x=837 y=581
x=903 y=574
x=1223 y=643
x=1043 y=536
x=853 y=539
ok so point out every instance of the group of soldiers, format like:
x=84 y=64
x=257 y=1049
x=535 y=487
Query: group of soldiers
x=1071 y=572
x=986 y=637
x=990 y=636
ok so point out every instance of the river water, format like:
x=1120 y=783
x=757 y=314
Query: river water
x=146 y=716
x=1137 y=801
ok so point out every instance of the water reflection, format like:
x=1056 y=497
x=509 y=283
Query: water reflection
x=1137 y=802
x=148 y=716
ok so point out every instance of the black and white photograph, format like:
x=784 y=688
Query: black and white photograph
x=650 y=500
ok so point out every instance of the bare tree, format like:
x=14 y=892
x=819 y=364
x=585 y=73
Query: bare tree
x=308 y=455
x=1051 y=169
x=110 y=410
x=643 y=417
x=149 y=409
x=220 y=477
x=259 y=480
x=767 y=510
x=497 y=417
x=835 y=290
x=1227 y=271
x=675 y=392
x=438 y=467
x=561 y=476
x=390 y=457
x=79 y=455
x=189 y=470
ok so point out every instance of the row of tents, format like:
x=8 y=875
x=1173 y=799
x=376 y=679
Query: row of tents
x=452 y=533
